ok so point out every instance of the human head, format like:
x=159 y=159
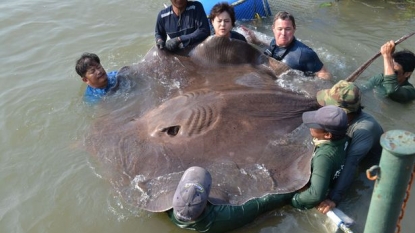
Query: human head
x=283 y=28
x=222 y=18
x=88 y=66
x=178 y=4
x=330 y=122
x=191 y=194
x=404 y=64
x=343 y=94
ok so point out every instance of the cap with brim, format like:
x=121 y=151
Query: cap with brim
x=192 y=193
x=329 y=118
x=343 y=94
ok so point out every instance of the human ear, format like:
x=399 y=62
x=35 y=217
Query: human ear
x=327 y=135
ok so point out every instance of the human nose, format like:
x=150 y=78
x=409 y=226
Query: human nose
x=99 y=71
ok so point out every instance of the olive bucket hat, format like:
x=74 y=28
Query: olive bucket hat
x=343 y=94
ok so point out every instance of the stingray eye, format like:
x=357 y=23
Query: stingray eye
x=172 y=130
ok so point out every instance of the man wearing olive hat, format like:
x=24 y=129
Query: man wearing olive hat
x=363 y=130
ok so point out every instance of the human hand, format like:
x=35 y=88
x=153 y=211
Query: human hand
x=173 y=44
x=325 y=206
x=161 y=44
x=388 y=48
x=251 y=38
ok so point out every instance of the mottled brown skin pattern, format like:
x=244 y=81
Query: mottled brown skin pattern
x=225 y=112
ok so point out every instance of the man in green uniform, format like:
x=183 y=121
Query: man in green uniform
x=192 y=211
x=398 y=68
x=328 y=127
x=364 y=133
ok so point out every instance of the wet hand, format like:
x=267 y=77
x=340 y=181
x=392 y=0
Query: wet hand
x=251 y=38
x=161 y=44
x=325 y=206
x=173 y=44
x=388 y=48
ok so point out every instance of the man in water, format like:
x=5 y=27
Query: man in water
x=286 y=48
x=398 y=68
x=364 y=133
x=328 y=127
x=99 y=82
x=191 y=209
x=184 y=22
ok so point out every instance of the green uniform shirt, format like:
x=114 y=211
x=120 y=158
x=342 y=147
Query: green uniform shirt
x=326 y=165
x=390 y=87
x=224 y=218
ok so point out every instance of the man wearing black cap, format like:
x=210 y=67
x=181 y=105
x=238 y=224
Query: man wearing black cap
x=328 y=127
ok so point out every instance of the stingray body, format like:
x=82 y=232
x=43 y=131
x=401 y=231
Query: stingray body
x=219 y=107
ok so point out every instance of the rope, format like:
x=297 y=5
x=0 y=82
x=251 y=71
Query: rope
x=408 y=193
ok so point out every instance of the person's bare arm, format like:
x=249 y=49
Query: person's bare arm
x=252 y=38
x=323 y=73
x=386 y=50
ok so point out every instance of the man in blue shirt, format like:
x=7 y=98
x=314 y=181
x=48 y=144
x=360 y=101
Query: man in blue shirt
x=184 y=22
x=286 y=48
x=88 y=66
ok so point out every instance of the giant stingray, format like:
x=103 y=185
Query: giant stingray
x=218 y=106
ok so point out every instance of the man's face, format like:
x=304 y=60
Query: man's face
x=283 y=32
x=400 y=74
x=180 y=4
x=320 y=134
x=96 y=76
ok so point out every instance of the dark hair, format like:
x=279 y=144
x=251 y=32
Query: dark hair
x=357 y=112
x=284 y=16
x=85 y=61
x=406 y=59
x=219 y=8
x=337 y=136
